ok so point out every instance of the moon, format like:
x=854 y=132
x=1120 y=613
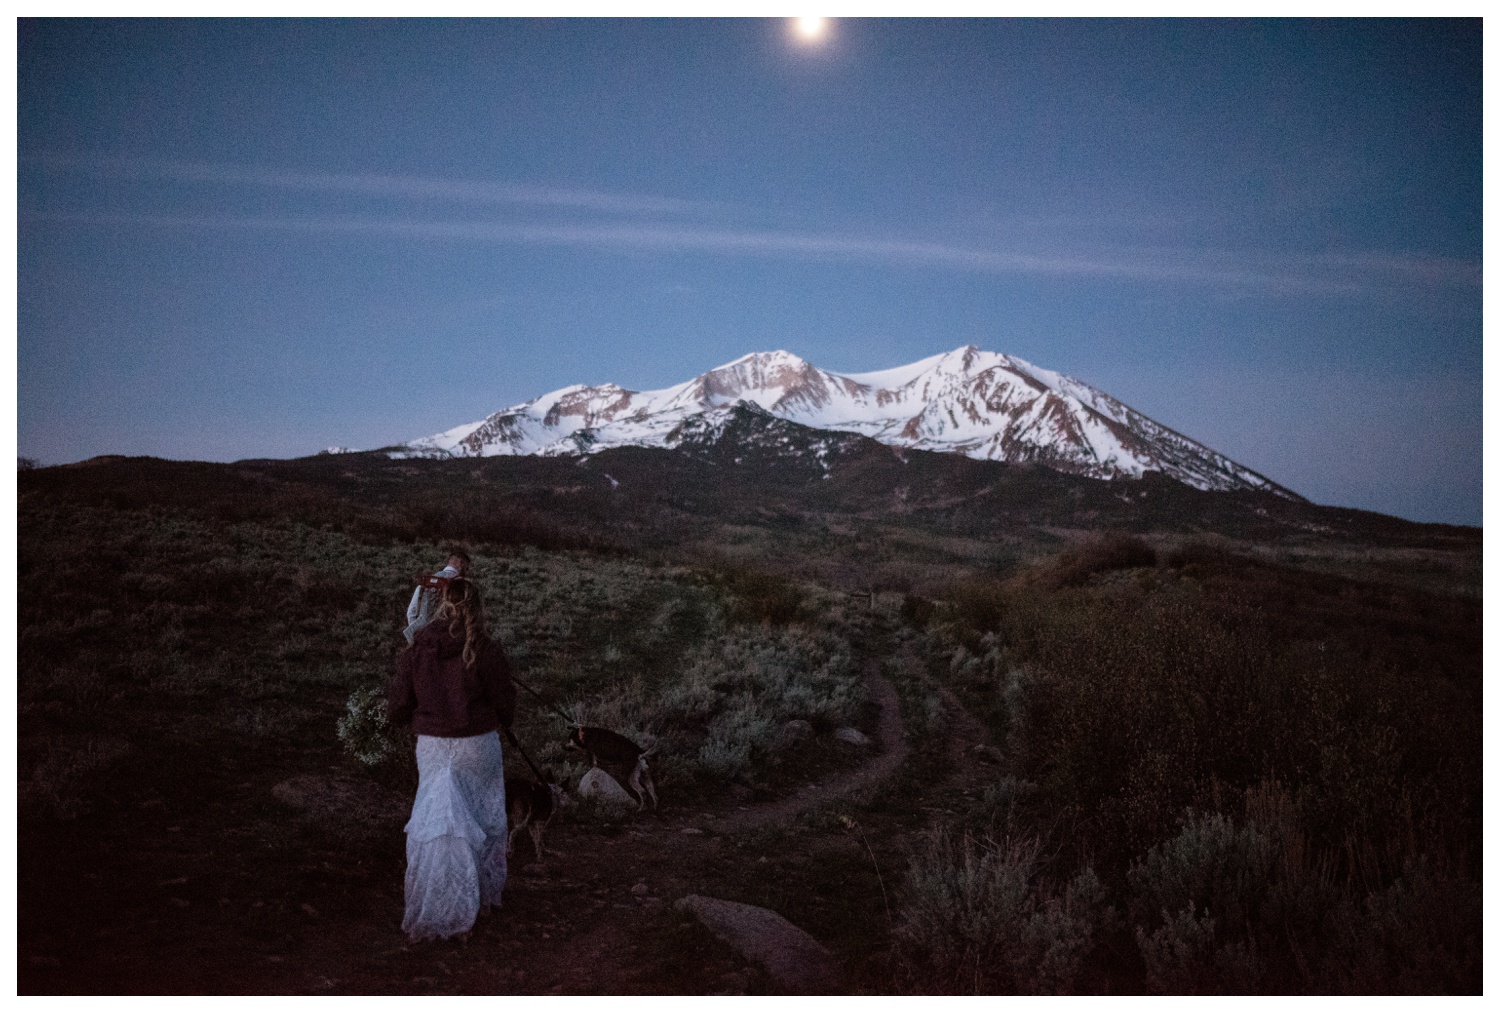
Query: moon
x=810 y=30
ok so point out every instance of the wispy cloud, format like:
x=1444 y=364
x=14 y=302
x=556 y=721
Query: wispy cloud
x=672 y=225
x=480 y=192
x=1429 y=270
x=1330 y=274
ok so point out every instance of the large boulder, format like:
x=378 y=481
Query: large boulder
x=853 y=736
x=797 y=961
x=595 y=783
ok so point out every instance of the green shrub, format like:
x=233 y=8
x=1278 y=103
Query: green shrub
x=1206 y=885
x=740 y=730
x=722 y=712
x=759 y=597
x=1185 y=956
x=1421 y=935
x=1226 y=908
x=1099 y=554
x=975 y=918
x=1210 y=866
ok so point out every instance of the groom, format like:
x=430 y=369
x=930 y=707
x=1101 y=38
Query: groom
x=429 y=592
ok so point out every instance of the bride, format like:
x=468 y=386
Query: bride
x=453 y=685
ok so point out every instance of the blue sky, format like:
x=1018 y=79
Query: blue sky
x=245 y=239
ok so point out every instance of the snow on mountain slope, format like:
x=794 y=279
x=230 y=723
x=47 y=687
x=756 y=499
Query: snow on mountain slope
x=981 y=404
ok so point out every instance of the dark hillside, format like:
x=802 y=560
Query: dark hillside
x=809 y=489
x=1120 y=736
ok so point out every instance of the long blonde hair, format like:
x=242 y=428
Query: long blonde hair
x=464 y=608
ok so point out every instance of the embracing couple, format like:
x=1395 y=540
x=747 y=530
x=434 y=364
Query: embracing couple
x=452 y=684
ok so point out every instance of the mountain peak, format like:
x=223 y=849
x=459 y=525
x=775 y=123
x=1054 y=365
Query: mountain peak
x=967 y=401
x=778 y=357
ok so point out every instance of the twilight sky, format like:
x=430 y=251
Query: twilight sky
x=258 y=239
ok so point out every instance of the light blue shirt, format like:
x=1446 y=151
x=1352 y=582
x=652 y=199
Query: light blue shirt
x=423 y=604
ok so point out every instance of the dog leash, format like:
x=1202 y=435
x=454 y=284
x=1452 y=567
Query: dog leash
x=548 y=703
x=517 y=743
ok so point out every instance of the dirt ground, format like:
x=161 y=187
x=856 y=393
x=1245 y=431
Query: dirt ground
x=282 y=873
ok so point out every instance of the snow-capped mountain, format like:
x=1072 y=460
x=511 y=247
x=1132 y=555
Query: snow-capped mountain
x=980 y=404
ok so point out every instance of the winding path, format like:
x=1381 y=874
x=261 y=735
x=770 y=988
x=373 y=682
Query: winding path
x=891 y=734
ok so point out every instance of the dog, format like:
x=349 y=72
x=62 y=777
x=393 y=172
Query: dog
x=612 y=747
x=530 y=806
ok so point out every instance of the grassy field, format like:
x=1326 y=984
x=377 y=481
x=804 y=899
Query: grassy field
x=1210 y=751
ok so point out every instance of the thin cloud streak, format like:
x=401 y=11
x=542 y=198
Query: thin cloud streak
x=1325 y=273
x=369 y=185
x=1337 y=274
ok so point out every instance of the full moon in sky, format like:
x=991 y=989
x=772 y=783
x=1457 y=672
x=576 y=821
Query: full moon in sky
x=810 y=29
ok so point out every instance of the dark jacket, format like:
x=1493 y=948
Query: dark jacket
x=440 y=695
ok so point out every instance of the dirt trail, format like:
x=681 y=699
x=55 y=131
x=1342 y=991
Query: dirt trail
x=891 y=736
x=971 y=761
x=968 y=740
x=667 y=857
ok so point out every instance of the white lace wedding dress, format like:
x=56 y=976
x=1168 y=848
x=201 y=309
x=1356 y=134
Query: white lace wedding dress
x=455 y=839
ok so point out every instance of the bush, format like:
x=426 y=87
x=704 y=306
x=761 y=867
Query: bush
x=917 y=611
x=1001 y=802
x=1186 y=957
x=1337 y=721
x=1421 y=935
x=976 y=919
x=1206 y=884
x=1098 y=555
x=974 y=606
x=1222 y=908
x=1135 y=706
x=1211 y=866
x=714 y=704
x=1203 y=554
x=725 y=709
x=761 y=598
x=735 y=734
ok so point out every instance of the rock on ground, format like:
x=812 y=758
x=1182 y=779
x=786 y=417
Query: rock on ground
x=853 y=736
x=795 y=959
x=595 y=783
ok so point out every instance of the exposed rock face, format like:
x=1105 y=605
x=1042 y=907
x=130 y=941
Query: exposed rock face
x=980 y=404
x=797 y=961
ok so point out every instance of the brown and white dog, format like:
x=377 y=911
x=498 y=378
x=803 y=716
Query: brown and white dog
x=612 y=747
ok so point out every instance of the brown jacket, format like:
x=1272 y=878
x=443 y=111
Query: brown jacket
x=440 y=695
